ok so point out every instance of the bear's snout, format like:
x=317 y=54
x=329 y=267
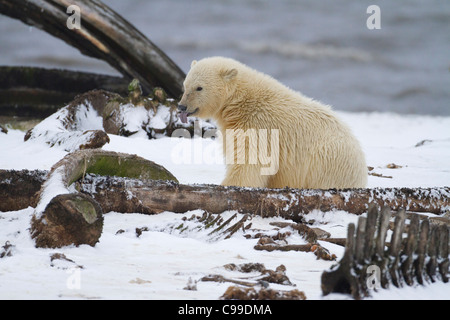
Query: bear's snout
x=182 y=107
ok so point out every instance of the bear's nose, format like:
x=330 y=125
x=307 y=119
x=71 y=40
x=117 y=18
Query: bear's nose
x=181 y=107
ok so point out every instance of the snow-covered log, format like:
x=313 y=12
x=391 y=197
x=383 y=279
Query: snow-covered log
x=69 y=219
x=19 y=189
x=85 y=122
x=146 y=196
x=63 y=216
x=76 y=165
x=77 y=125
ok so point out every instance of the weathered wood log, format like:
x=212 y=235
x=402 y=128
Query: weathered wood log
x=137 y=196
x=105 y=35
x=77 y=164
x=69 y=219
x=38 y=92
x=63 y=128
x=84 y=122
x=127 y=195
x=62 y=216
x=19 y=189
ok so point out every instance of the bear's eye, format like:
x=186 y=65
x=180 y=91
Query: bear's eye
x=199 y=88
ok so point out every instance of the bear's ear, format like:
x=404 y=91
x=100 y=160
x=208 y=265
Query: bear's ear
x=229 y=74
x=193 y=63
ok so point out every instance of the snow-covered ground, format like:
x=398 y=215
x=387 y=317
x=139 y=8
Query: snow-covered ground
x=161 y=261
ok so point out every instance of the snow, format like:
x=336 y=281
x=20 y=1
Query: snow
x=135 y=117
x=161 y=118
x=88 y=118
x=53 y=130
x=52 y=187
x=161 y=261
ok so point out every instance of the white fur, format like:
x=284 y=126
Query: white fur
x=316 y=149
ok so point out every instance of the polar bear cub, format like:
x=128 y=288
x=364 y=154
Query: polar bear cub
x=273 y=136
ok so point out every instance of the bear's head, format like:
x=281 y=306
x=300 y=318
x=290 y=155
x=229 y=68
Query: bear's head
x=207 y=86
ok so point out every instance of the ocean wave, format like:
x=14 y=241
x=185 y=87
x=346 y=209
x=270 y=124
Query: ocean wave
x=307 y=51
x=284 y=49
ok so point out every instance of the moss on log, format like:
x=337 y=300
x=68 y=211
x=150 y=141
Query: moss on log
x=63 y=217
x=120 y=165
x=77 y=164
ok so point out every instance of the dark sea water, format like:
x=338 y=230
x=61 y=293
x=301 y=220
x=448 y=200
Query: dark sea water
x=320 y=48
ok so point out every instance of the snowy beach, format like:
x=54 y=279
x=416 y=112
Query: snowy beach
x=390 y=85
x=161 y=261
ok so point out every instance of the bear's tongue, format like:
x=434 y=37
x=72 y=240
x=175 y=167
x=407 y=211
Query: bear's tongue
x=183 y=116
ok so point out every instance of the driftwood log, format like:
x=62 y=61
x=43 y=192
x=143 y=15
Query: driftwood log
x=127 y=183
x=68 y=219
x=85 y=122
x=40 y=92
x=129 y=195
x=76 y=165
x=103 y=35
x=19 y=189
x=147 y=196
x=63 y=216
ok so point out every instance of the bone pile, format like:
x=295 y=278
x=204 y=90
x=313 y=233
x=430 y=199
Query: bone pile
x=417 y=254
